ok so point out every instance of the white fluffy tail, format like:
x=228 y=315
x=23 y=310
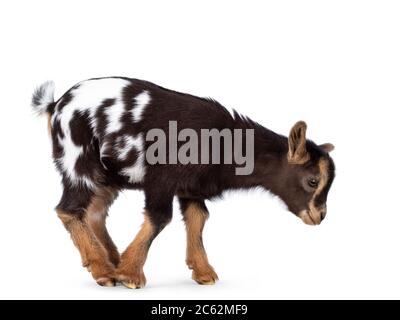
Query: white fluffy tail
x=43 y=97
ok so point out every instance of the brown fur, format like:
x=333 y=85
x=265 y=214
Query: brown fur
x=130 y=270
x=93 y=254
x=196 y=257
x=327 y=147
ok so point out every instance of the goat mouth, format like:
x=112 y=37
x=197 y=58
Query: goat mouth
x=310 y=216
x=307 y=218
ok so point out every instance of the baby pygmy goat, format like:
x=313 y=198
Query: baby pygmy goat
x=111 y=134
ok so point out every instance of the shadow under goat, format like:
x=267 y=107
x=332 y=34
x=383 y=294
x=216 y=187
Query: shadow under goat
x=100 y=132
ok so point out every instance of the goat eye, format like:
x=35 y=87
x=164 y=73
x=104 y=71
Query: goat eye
x=313 y=183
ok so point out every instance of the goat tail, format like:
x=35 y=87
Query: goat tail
x=43 y=98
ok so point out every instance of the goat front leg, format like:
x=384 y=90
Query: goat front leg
x=156 y=217
x=195 y=214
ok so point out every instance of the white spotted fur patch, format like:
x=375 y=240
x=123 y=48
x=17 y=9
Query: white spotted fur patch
x=88 y=96
x=141 y=101
x=129 y=144
x=136 y=172
x=114 y=114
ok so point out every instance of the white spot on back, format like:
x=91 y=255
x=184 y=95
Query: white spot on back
x=89 y=96
x=141 y=101
x=114 y=114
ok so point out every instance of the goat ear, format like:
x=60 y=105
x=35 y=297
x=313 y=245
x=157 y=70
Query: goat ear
x=327 y=147
x=297 y=153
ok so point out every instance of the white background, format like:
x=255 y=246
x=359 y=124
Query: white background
x=334 y=64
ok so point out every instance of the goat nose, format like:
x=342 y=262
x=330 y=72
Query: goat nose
x=323 y=214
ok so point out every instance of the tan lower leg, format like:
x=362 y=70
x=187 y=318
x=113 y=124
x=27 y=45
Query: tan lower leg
x=130 y=270
x=93 y=254
x=96 y=215
x=196 y=257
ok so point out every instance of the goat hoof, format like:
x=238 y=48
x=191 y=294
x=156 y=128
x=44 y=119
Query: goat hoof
x=208 y=277
x=131 y=285
x=106 y=282
x=135 y=281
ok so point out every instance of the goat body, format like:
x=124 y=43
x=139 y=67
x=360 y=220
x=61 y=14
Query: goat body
x=99 y=130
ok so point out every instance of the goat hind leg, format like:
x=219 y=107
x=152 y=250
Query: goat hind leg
x=96 y=215
x=74 y=217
